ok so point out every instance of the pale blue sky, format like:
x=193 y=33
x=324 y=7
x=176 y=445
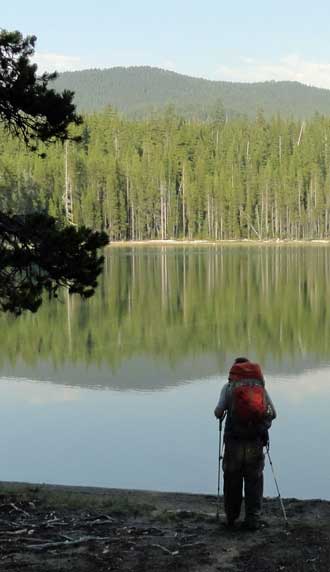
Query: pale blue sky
x=235 y=40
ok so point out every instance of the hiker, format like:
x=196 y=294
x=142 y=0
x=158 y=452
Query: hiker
x=250 y=412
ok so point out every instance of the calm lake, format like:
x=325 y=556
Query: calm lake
x=119 y=391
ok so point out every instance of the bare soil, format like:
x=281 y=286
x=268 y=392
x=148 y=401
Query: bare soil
x=55 y=528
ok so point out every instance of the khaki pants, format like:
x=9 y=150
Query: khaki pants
x=243 y=462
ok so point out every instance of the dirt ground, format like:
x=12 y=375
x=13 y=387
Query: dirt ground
x=54 y=528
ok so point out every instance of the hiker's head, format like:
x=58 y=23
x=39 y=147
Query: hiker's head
x=241 y=360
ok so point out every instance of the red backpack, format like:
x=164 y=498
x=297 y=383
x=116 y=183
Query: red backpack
x=248 y=393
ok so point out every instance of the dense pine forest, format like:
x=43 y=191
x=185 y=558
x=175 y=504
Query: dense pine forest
x=169 y=178
x=140 y=91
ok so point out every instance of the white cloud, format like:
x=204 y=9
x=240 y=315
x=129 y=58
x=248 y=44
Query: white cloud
x=302 y=387
x=291 y=67
x=50 y=62
x=21 y=390
x=168 y=65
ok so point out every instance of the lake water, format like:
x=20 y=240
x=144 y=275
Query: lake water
x=119 y=391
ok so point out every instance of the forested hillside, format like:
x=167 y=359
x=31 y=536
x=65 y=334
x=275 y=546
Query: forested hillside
x=140 y=91
x=168 y=178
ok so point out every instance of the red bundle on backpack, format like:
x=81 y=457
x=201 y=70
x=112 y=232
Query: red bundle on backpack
x=248 y=393
x=245 y=370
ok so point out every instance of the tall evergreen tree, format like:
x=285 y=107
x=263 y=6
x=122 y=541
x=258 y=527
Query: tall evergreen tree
x=36 y=254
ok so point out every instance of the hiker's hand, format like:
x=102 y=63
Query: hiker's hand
x=219 y=413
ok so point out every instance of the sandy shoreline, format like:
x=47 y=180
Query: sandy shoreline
x=220 y=243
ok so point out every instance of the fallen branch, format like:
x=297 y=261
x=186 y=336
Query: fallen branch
x=96 y=522
x=69 y=538
x=68 y=543
x=12 y=532
x=166 y=550
x=192 y=544
x=19 y=509
x=93 y=520
x=53 y=523
x=14 y=507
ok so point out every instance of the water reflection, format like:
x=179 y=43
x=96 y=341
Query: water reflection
x=158 y=339
x=156 y=440
x=163 y=315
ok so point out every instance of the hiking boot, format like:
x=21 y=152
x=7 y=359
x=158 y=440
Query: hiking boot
x=251 y=524
x=230 y=522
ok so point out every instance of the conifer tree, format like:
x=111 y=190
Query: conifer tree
x=37 y=254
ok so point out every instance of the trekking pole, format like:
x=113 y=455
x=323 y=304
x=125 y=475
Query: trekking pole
x=278 y=490
x=219 y=466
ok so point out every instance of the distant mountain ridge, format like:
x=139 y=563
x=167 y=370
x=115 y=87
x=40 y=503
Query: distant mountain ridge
x=140 y=91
